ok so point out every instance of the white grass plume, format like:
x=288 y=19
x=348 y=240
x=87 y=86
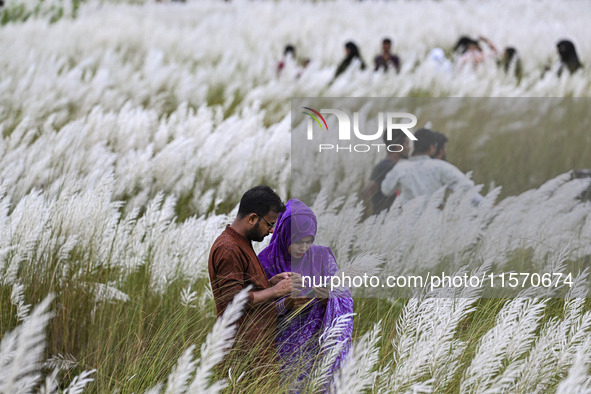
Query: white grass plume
x=182 y=372
x=426 y=350
x=21 y=351
x=578 y=380
x=363 y=263
x=357 y=371
x=510 y=338
x=331 y=346
x=557 y=345
x=79 y=382
x=51 y=383
x=217 y=344
x=188 y=297
x=17 y=297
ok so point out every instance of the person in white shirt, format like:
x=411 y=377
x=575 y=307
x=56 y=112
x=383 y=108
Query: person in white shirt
x=421 y=175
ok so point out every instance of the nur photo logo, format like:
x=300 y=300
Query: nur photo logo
x=388 y=122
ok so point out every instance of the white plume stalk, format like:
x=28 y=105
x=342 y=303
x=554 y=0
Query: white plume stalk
x=21 y=351
x=217 y=344
x=578 y=380
x=331 y=345
x=17 y=298
x=357 y=371
x=79 y=382
x=426 y=350
x=510 y=338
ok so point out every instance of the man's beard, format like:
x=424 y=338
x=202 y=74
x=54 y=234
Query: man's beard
x=255 y=234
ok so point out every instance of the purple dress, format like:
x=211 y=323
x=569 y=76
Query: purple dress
x=297 y=339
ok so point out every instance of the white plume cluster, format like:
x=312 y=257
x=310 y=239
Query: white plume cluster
x=21 y=352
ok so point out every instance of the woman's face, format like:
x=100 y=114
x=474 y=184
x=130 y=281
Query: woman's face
x=297 y=249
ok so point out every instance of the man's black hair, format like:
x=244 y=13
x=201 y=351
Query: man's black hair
x=398 y=138
x=440 y=140
x=260 y=200
x=387 y=41
x=289 y=49
x=425 y=138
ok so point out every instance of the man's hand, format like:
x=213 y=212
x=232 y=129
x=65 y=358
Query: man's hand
x=295 y=302
x=279 y=277
x=282 y=288
x=296 y=281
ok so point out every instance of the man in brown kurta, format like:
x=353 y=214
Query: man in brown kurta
x=233 y=265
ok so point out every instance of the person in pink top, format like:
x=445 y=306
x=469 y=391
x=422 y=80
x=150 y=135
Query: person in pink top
x=471 y=52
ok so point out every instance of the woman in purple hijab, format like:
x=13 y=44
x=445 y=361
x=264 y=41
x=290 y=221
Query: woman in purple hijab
x=291 y=250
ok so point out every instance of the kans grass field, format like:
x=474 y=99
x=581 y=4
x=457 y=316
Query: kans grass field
x=130 y=131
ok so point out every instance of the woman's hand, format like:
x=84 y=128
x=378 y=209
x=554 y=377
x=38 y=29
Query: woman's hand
x=322 y=293
x=279 y=277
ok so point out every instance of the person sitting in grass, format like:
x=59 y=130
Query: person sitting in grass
x=302 y=319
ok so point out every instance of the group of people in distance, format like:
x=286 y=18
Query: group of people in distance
x=467 y=52
x=284 y=316
x=405 y=176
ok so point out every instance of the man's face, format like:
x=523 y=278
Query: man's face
x=263 y=227
x=441 y=155
x=386 y=47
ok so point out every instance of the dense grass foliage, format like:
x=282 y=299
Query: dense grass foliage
x=129 y=132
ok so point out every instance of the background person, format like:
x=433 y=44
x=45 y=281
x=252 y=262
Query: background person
x=289 y=56
x=421 y=175
x=510 y=62
x=568 y=57
x=386 y=59
x=374 y=200
x=471 y=52
x=352 y=55
x=438 y=61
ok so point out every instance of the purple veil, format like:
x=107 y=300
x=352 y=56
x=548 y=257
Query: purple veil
x=297 y=339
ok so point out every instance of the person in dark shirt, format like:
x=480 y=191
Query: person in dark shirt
x=233 y=265
x=396 y=148
x=568 y=57
x=510 y=62
x=385 y=60
x=289 y=54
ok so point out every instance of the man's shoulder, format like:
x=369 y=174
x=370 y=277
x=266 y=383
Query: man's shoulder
x=448 y=170
x=443 y=164
x=225 y=243
x=402 y=165
x=384 y=165
x=381 y=169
